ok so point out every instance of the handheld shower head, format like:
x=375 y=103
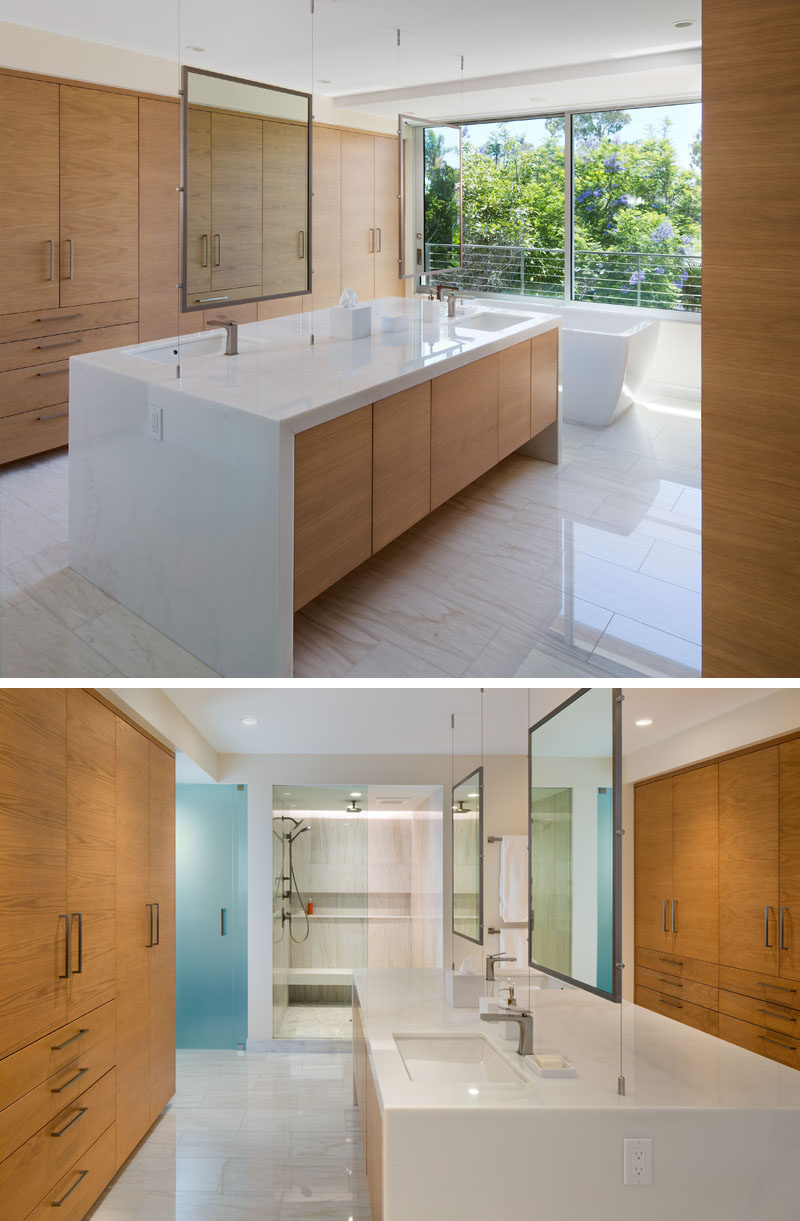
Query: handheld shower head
x=294 y=834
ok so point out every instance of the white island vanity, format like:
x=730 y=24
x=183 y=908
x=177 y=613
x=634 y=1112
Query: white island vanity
x=213 y=495
x=459 y=1135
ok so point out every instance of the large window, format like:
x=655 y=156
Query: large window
x=632 y=209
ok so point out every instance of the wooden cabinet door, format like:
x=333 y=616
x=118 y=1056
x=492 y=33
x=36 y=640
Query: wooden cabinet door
x=358 y=213
x=28 y=194
x=544 y=381
x=285 y=219
x=790 y=858
x=748 y=861
x=198 y=187
x=159 y=219
x=326 y=171
x=401 y=462
x=99 y=196
x=236 y=183
x=33 y=864
x=694 y=863
x=463 y=426
x=387 y=244
x=91 y=864
x=162 y=955
x=514 y=415
x=653 y=866
x=133 y=937
x=332 y=502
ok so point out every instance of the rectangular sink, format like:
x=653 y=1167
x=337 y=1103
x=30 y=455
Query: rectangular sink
x=454 y=1058
x=492 y=322
x=172 y=352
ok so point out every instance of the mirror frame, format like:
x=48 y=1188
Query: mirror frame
x=185 y=307
x=616 y=783
x=478 y=771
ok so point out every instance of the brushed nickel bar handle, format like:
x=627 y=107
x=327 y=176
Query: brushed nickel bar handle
x=60 y=1089
x=157 y=906
x=206 y=250
x=785 y=1046
x=50 y=372
x=66 y=947
x=767 y=910
x=222 y=922
x=379 y=240
x=79 y=915
x=782 y=924
x=62 y=343
x=69 y=242
x=203 y=300
x=666 y=1001
x=66 y=1043
x=664 y=915
x=60 y=318
x=150 y=942
x=81 y=1176
x=783 y=1017
x=54 y=415
x=218 y=240
x=674 y=913
x=764 y=983
x=52 y=245
x=674 y=962
x=81 y=1112
x=372 y=241
x=302 y=238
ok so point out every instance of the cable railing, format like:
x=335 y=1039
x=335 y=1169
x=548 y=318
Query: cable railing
x=649 y=279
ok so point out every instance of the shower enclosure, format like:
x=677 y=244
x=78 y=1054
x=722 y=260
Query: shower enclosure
x=357 y=881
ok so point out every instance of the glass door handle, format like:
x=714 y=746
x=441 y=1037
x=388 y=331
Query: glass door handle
x=223 y=920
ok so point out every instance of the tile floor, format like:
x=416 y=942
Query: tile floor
x=590 y=568
x=307 y=1021
x=250 y=1135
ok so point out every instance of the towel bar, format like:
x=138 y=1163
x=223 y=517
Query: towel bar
x=518 y=924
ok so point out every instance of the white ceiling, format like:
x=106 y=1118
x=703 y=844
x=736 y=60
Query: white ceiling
x=355 y=45
x=416 y=721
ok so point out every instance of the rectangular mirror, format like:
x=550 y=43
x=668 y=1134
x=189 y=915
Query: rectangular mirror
x=246 y=151
x=575 y=773
x=431 y=222
x=468 y=857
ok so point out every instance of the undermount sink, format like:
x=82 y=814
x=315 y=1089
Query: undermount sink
x=491 y=322
x=174 y=352
x=454 y=1058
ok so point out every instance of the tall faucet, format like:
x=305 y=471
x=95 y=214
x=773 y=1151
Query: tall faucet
x=492 y=959
x=232 y=334
x=524 y=1020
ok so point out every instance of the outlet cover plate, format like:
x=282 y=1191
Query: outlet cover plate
x=638 y=1162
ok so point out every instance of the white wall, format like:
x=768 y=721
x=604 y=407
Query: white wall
x=154 y=711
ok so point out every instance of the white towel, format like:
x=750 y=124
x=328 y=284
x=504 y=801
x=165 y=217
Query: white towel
x=513 y=941
x=514 y=879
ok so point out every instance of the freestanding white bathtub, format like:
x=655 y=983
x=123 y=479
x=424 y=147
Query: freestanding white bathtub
x=604 y=360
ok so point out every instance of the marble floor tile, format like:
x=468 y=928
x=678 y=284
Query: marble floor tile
x=24 y=531
x=140 y=650
x=635 y=649
x=68 y=596
x=672 y=563
x=34 y=644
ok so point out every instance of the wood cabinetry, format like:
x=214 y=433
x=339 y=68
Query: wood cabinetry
x=514 y=404
x=464 y=426
x=358 y=238
x=284 y=208
x=326 y=182
x=749 y=857
x=401 y=463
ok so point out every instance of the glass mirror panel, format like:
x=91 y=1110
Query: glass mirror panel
x=575 y=810
x=246 y=201
x=468 y=857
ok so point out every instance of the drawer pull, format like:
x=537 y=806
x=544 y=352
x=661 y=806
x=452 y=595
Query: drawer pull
x=81 y=1112
x=783 y=1017
x=66 y=1043
x=674 y=962
x=764 y=983
x=52 y=245
x=40 y=419
x=785 y=1046
x=69 y=242
x=672 y=983
x=674 y=912
x=60 y=318
x=664 y=918
x=782 y=921
x=666 y=1001
x=50 y=372
x=78 y=915
x=302 y=240
x=81 y=1176
x=65 y=918
x=60 y=1088
x=203 y=300
x=204 y=259
x=63 y=343
x=767 y=910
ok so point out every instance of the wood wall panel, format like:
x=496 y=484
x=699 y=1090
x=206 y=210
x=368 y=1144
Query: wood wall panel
x=159 y=219
x=162 y=956
x=326 y=169
x=358 y=213
x=751 y=358
x=694 y=863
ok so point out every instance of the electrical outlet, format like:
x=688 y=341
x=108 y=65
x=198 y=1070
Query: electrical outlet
x=156 y=423
x=638 y=1162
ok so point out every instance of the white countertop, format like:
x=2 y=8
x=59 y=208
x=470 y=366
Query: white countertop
x=666 y=1064
x=281 y=376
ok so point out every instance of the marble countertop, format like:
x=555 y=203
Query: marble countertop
x=666 y=1064
x=280 y=375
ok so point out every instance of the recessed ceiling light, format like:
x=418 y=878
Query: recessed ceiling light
x=683 y=24
x=191 y=47
x=473 y=1091
x=472 y=794
x=646 y=720
x=248 y=720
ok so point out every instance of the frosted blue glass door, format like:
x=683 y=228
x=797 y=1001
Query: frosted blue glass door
x=211 y=915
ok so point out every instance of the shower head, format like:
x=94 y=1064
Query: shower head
x=353 y=808
x=294 y=834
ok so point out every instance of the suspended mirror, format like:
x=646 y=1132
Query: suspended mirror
x=246 y=199
x=468 y=857
x=575 y=851
x=431 y=222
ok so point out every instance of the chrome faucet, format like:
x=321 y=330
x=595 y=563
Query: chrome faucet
x=232 y=334
x=524 y=1020
x=492 y=959
x=450 y=295
x=442 y=288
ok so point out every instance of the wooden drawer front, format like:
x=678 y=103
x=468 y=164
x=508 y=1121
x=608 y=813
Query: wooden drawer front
x=681 y=1011
x=30 y=1112
x=75 y=1193
x=780 y=1019
x=764 y=1042
x=57 y=321
x=46 y=349
x=38 y=386
x=544 y=380
x=514 y=415
x=53 y=1053
x=774 y=988
x=464 y=424
x=676 y=964
x=33 y=432
x=679 y=989
x=401 y=463
x=28 y=1174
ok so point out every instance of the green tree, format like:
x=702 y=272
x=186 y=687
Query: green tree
x=590 y=126
x=441 y=194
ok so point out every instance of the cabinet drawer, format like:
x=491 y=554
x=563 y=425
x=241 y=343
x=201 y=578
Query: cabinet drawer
x=37 y=386
x=46 y=349
x=678 y=989
x=770 y=1016
x=696 y=1016
x=33 y=323
x=768 y=988
x=33 y=432
x=75 y=1193
x=29 y=1173
x=53 y=1053
x=763 y=1042
x=675 y=964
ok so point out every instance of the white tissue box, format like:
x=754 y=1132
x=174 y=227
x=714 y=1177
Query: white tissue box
x=351 y=323
x=463 y=991
x=394 y=322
